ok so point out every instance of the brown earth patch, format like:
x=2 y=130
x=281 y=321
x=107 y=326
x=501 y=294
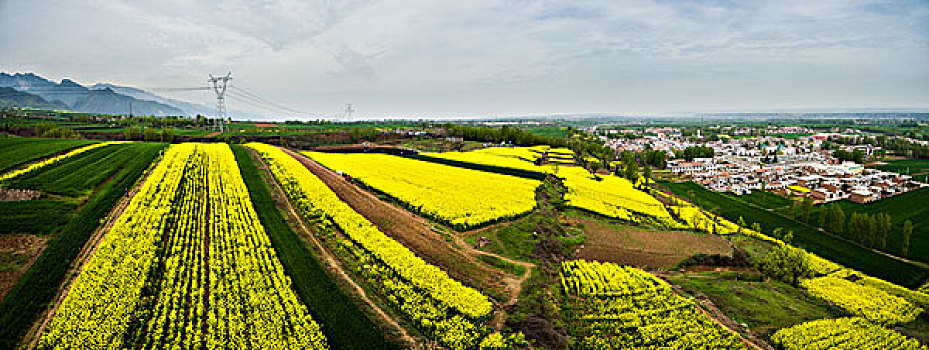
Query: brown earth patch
x=636 y=246
x=15 y=194
x=17 y=253
x=414 y=232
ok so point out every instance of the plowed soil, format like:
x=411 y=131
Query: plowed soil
x=17 y=253
x=629 y=245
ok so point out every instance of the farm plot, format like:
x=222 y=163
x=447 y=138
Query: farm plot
x=863 y=300
x=39 y=284
x=188 y=264
x=901 y=208
x=843 y=333
x=49 y=161
x=17 y=151
x=461 y=198
x=608 y=195
x=439 y=306
x=614 y=197
x=629 y=245
x=614 y=307
x=78 y=175
x=519 y=158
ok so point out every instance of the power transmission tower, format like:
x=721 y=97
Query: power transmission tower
x=347 y=115
x=219 y=87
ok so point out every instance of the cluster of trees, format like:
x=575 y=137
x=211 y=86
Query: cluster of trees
x=508 y=134
x=897 y=145
x=787 y=264
x=698 y=152
x=148 y=134
x=856 y=155
x=801 y=210
x=869 y=230
x=54 y=131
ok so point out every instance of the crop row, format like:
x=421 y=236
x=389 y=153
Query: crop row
x=615 y=307
x=462 y=198
x=187 y=265
x=440 y=306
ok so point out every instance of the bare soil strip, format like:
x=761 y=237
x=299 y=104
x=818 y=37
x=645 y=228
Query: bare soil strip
x=32 y=337
x=329 y=261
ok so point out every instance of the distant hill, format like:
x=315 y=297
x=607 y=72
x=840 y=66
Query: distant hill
x=109 y=102
x=99 y=98
x=190 y=109
x=10 y=97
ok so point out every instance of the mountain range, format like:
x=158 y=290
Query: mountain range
x=98 y=98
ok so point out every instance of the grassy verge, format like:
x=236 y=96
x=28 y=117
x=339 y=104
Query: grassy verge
x=508 y=267
x=805 y=236
x=343 y=323
x=764 y=306
x=38 y=286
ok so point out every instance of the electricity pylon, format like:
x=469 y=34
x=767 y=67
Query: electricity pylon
x=219 y=87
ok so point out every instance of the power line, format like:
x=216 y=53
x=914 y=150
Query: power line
x=168 y=89
x=258 y=98
x=242 y=98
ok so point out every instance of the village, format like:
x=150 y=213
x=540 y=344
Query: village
x=797 y=166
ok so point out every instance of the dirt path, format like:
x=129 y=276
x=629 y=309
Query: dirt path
x=213 y=134
x=77 y=265
x=709 y=309
x=414 y=232
x=330 y=262
x=514 y=285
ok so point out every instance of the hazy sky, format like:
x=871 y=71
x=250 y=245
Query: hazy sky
x=470 y=58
